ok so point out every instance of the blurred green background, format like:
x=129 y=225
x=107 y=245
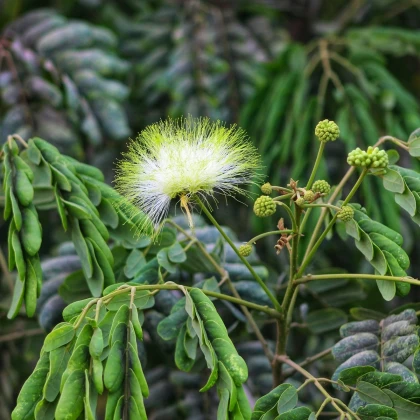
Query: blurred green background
x=88 y=74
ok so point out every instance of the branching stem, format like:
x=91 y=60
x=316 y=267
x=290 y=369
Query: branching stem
x=310 y=277
x=244 y=261
x=273 y=232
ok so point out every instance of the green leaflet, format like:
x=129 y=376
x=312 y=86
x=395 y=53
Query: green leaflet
x=372 y=411
x=59 y=358
x=59 y=337
x=29 y=395
x=96 y=281
x=31 y=233
x=358 y=351
x=79 y=361
x=81 y=248
x=45 y=410
x=96 y=345
x=381 y=246
x=143 y=300
x=97 y=374
x=217 y=333
x=70 y=405
x=267 y=406
x=182 y=359
x=300 y=413
x=31 y=289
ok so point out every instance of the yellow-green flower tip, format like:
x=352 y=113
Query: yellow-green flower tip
x=300 y=201
x=327 y=130
x=373 y=157
x=345 y=214
x=321 y=187
x=266 y=188
x=245 y=250
x=309 y=196
x=264 y=206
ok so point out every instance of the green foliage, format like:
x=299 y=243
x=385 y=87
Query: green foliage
x=137 y=325
x=61 y=82
x=382 y=247
x=372 y=356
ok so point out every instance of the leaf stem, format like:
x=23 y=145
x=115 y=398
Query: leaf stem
x=21 y=334
x=327 y=205
x=312 y=252
x=174 y=286
x=316 y=165
x=308 y=361
x=306 y=374
x=289 y=211
x=324 y=211
x=273 y=232
x=225 y=277
x=310 y=277
x=283 y=197
x=245 y=262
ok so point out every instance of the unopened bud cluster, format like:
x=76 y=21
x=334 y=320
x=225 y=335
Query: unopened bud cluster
x=321 y=187
x=345 y=214
x=245 y=250
x=266 y=188
x=371 y=158
x=309 y=196
x=327 y=131
x=300 y=201
x=264 y=206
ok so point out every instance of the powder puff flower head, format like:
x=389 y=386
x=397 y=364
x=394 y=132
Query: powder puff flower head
x=182 y=159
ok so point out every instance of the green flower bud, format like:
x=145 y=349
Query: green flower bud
x=321 y=187
x=309 y=196
x=371 y=158
x=345 y=214
x=300 y=201
x=266 y=188
x=264 y=206
x=327 y=131
x=245 y=250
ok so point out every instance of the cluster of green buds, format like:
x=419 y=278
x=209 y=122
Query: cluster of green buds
x=327 y=130
x=307 y=197
x=321 y=187
x=371 y=158
x=245 y=250
x=345 y=214
x=266 y=188
x=264 y=206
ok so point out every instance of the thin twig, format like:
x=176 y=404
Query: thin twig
x=226 y=278
x=317 y=383
x=21 y=334
x=307 y=362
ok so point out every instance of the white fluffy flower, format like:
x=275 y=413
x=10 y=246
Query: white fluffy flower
x=182 y=158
